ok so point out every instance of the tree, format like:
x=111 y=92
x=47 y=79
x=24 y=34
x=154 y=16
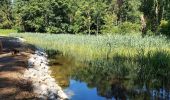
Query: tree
x=154 y=11
x=121 y=15
x=91 y=16
x=6 y=18
x=42 y=16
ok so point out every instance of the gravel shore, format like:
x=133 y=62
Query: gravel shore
x=39 y=74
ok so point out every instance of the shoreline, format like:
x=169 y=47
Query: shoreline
x=40 y=76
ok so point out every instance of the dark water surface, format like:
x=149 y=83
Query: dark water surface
x=82 y=82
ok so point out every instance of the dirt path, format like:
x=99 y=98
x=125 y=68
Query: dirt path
x=12 y=86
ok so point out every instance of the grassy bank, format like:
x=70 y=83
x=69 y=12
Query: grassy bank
x=6 y=32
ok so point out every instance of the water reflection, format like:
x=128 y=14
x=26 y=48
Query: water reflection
x=80 y=91
x=120 y=78
x=62 y=68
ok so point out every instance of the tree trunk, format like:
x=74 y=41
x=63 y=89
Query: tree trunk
x=89 y=23
x=143 y=25
x=157 y=16
x=89 y=28
x=159 y=10
x=97 y=26
x=120 y=3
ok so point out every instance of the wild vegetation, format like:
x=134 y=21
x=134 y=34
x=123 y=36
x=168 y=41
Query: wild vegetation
x=7 y=31
x=86 y=17
x=91 y=47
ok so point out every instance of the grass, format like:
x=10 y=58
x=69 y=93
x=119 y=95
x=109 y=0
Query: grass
x=85 y=47
x=6 y=32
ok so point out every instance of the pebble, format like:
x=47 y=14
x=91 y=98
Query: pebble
x=43 y=84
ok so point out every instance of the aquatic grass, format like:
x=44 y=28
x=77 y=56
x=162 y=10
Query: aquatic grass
x=85 y=47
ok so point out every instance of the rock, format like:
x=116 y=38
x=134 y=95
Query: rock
x=51 y=97
x=31 y=62
x=44 y=85
x=62 y=95
x=20 y=39
x=40 y=53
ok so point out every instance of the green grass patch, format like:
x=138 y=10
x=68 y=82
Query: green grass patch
x=6 y=32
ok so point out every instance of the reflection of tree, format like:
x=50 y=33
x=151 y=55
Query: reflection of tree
x=131 y=74
x=60 y=76
x=105 y=82
x=115 y=90
x=153 y=68
x=62 y=67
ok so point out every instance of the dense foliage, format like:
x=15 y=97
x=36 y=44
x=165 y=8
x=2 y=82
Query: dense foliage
x=87 y=16
x=6 y=17
x=41 y=16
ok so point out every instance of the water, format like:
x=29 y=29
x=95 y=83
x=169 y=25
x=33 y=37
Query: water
x=82 y=82
x=80 y=91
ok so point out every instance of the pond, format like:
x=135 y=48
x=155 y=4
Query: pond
x=82 y=81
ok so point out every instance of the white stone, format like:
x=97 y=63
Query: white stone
x=21 y=39
x=62 y=95
x=39 y=73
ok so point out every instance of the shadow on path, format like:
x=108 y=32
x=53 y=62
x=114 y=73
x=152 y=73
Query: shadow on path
x=12 y=86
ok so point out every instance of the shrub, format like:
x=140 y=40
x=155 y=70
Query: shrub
x=128 y=27
x=164 y=27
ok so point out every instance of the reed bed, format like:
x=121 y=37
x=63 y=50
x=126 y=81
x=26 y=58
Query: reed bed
x=84 y=47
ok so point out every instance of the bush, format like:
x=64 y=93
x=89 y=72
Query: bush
x=6 y=25
x=128 y=27
x=111 y=30
x=124 y=28
x=53 y=29
x=164 y=27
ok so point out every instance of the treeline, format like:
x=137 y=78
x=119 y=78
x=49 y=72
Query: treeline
x=87 y=16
